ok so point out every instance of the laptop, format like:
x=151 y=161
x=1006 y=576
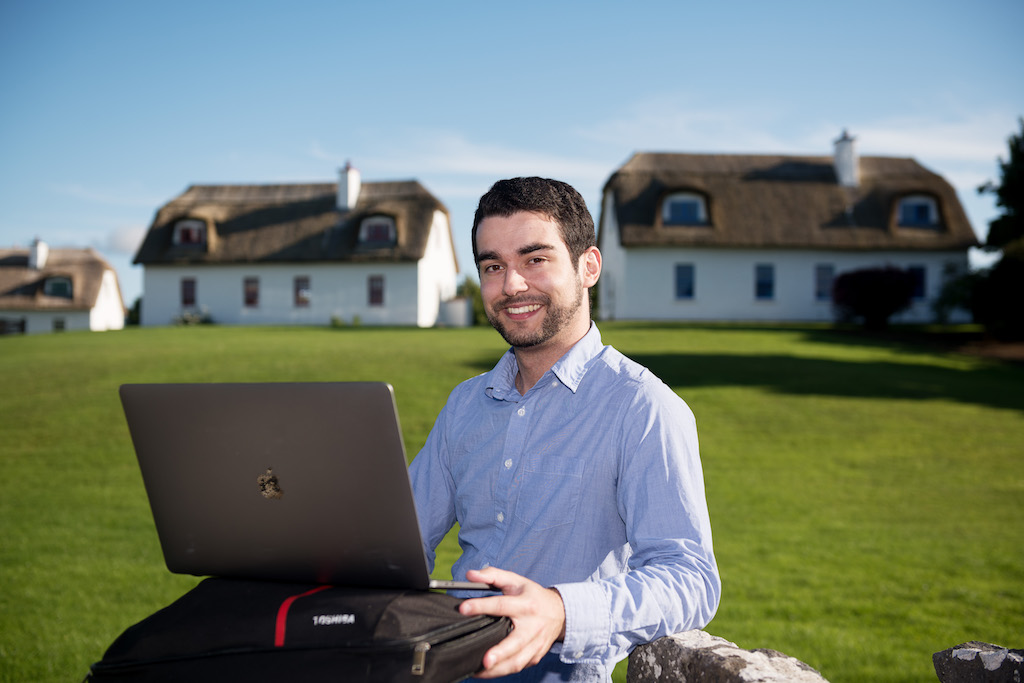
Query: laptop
x=303 y=482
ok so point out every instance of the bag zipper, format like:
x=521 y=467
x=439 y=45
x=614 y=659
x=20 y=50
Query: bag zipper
x=468 y=631
x=419 y=658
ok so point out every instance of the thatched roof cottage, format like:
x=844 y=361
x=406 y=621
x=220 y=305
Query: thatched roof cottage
x=44 y=290
x=761 y=237
x=379 y=252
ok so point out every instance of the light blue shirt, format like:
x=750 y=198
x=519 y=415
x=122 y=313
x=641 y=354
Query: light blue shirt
x=590 y=483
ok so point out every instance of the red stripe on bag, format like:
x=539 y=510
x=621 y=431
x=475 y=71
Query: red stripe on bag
x=282 y=614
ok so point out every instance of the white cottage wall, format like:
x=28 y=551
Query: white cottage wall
x=336 y=291
x=43 y=322
x=436 y=272
x=108 y=313
x=724 y=283
x=613 y=283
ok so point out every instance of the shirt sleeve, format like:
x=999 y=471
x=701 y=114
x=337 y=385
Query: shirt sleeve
x=433 y=489
x=672 y=583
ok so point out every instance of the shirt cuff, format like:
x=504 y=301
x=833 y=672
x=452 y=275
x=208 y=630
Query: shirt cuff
x=588 y=621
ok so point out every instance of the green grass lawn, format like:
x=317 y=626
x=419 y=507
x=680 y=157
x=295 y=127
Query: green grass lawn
x=867 y=495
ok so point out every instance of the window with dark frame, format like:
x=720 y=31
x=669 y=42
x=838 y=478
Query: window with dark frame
x=375 y=290
x=378 y=230
x=918 y=211
x=824 y=276
x=685 y=284
x=684 y=208
x=303 y=293
x=58 y=286
x=764 y=281
x=251 y=292
x=190 y=232
x=188 y=292
x=919 y=276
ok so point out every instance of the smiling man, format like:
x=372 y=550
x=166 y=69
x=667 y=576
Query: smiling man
x=534 y=290
x=572 y=471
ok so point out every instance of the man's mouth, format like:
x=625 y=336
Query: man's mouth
x=520 y=310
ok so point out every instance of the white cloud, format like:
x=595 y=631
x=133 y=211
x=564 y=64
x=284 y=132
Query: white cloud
x=978 y=138
x=452 y=153
x=317 y=151
x=675 y=123
x=121 y=197
x=124 y=240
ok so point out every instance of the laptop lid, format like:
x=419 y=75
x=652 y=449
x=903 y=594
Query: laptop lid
x=279 y=481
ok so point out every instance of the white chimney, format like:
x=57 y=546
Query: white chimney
x=348 y=187
x=846 y=163
x=38 y=254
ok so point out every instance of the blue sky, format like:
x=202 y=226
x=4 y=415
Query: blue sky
x=110 y=109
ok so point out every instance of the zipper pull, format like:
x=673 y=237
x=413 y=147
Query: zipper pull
x=419 y=658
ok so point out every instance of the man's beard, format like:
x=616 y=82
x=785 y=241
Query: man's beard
x=556 y=318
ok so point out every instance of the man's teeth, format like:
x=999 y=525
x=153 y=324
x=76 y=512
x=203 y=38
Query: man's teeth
x=523 y=309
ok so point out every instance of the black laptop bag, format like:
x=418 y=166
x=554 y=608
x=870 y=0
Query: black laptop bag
x=233 y=630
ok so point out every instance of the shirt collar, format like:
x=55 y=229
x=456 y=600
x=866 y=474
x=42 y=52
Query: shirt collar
x=569 y=369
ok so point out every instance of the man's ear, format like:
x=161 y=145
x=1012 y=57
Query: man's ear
x=590 y=267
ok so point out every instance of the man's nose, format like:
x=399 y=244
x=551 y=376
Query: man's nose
x=514 y=283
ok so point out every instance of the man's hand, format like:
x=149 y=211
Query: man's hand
x=537 y=614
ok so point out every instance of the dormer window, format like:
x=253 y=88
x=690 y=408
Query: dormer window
x=190 y=232
x=684 y=208
x=377 y=231
x=918 y=211
x=58 y=286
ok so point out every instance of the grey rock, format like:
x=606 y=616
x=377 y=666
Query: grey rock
x=976 y=662
x=700 y=656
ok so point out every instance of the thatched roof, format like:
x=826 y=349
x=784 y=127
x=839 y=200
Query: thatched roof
x=791 y=202
x=290 y=223
x=21 y=287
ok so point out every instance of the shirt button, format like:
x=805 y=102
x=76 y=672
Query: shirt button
x=508 y=463
x=521 y=412
x=501 y=516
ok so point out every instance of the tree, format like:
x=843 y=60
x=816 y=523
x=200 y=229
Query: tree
x=873 y=295
x=998 y=294
x=1008 y=229
x=469 y=289
x=134 y=315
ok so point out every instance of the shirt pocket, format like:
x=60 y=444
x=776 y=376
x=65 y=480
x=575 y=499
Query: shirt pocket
x=550 y=492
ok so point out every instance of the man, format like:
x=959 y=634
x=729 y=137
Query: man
x=572 y=471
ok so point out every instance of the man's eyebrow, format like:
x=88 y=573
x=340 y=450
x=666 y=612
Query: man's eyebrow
x=523 y=251
x=536 y=246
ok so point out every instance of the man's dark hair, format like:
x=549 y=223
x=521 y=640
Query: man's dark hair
x=556 y=200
